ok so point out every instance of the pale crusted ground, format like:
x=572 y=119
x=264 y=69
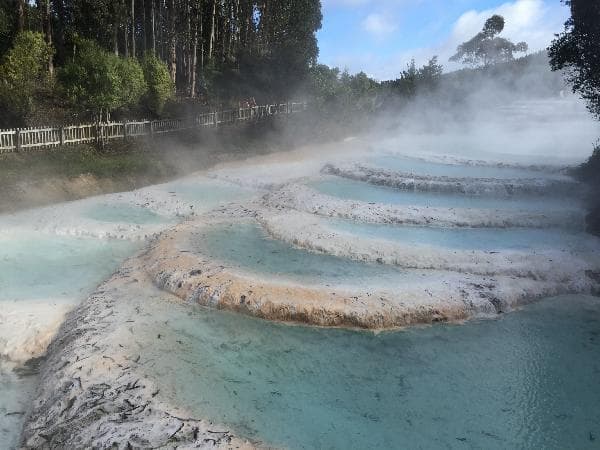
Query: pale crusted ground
x=93 y=393
x=310 y=232
x=493 y=187
x=304 y=198
x=27 y=327
x=440 y=293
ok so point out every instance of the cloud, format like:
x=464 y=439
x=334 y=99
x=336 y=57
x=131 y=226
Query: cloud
x=344 y=3
x=378 y=25
x=532 y=21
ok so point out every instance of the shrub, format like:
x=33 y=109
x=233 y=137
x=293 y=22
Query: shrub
x=23 y=71
x=158 y=80
x=100 y=81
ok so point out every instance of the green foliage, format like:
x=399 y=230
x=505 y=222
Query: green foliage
x=158 y=80
x=486 y=47
x=6 y=26
x=342 y=93
x=413 y=80
x=133 y=85
x=576 y=51
x=24 y=71
x=100 y=81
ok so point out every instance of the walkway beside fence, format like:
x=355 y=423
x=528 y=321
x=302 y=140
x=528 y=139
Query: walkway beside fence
x=22 y=139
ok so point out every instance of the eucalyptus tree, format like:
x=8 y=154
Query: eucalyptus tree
x=486 y=47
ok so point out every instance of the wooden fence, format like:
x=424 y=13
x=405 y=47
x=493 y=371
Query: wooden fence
x=22 y=139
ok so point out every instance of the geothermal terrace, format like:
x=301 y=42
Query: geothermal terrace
x=345 y=236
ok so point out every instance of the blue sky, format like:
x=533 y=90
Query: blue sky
x=380 y=37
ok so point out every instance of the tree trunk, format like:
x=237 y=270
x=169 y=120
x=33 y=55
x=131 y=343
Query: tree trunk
x=188 y=45
x=201 y=19
x=211 y=42
x=125 y=26
x=20 y=15
x=153 y=22
x=48 y=32
x=145 y=37
x=116 y=38
x=172 y=43
x=194 y=64
x=133 y=53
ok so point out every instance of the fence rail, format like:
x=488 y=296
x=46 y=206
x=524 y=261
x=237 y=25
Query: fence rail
x=21 y=139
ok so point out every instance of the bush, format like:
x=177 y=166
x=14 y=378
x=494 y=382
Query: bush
x=100 y=81
x=24 y=70
x=133 y=83
x=158 y=80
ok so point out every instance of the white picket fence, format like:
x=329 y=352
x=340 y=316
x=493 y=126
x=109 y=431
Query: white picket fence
x=22 y=139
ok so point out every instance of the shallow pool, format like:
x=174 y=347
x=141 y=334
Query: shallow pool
x=247 y=247
x=421 y=167
x=365 y=192
x=528 y=380
x=123 y=213
x=39 y=266
x=487 y=239
x=16 y=391
x=206 y=195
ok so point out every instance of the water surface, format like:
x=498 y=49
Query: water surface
x=40 y=266
x=246 y=246
x=404 y=164
x=528 y=380
x=123 y=213
x=486 y=239
x=365 y=192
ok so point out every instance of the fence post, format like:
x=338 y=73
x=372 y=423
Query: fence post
x=61 y=133
x=18 y=139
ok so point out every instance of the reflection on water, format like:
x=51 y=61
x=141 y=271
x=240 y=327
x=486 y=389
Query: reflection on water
x=486 y=239
x=528 y=380
x=356 y=190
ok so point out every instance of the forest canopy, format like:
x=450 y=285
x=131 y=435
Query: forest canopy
x=221 y=50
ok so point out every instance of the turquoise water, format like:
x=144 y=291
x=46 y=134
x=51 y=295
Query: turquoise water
x=16 y=392
x=38 y=266
x=207 y=195
x=418 y=167
x=123 y=213
x=487 y=239
x=248 y=247
x=365 y=192
x=528 y=380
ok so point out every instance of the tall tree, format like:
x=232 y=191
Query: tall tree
x=48 y=33
x=486 y=47
x=20 y=15
x=133 y=52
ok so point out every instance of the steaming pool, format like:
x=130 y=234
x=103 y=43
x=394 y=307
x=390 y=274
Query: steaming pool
x=247 y=247
x=403 y=164
x=528 y=379
x=486 y=239
x=356 y=190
